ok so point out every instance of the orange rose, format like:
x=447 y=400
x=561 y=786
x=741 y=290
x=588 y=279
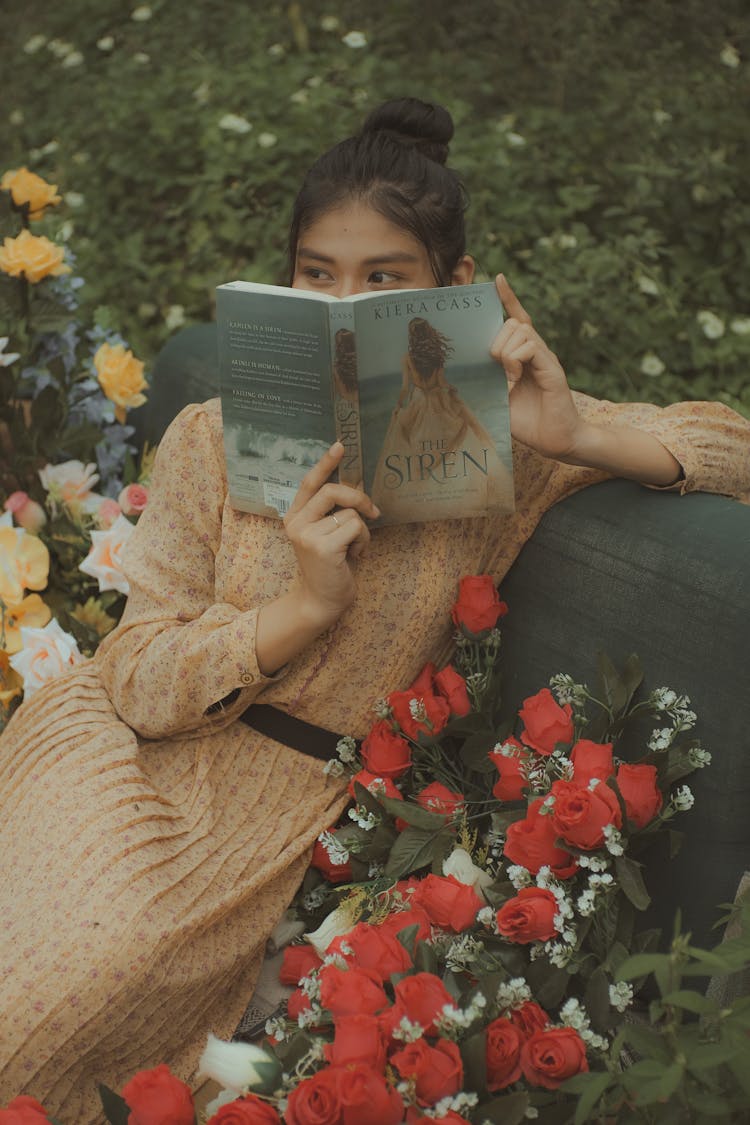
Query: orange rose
x=120 y=376
x=29 y=190
x=32 y=256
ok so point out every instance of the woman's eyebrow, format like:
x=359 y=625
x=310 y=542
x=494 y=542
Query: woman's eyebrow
x=378 y=259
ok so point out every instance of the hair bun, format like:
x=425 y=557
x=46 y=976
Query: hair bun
x=427 y=127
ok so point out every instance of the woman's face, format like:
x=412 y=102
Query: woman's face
x=354 y=249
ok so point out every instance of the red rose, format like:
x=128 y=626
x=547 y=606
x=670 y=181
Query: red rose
x=384 y=752
x=24 y=1110
x=549 y=1057
x=157 y=1097
x=529 y=916
x=298 y=961
x=334 y=872
x=421 y=997
x=452 y=686
x=357 y=1039
x=450 y=904
x=248 y=1110
x=591 y=759
x=425 y=681
x=478 y=606
x=350 y=992
x=316 y=1100
x=298 y=1003
x=402 y=919
x=503 y=1054
x=437 y=711
x=640 y=791
x=580 y=814
x=437 y=1071
x=531 y=843
x=436 y=797
x=367 y=1098
x=414 y=1116
x=512 y=770
x=529 y=1018
x=545 y=722
x=373 y=948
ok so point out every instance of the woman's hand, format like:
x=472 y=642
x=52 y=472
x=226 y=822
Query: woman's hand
x=542 y=410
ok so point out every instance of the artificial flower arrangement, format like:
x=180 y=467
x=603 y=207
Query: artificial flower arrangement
x=69 y=485
x=471 y=954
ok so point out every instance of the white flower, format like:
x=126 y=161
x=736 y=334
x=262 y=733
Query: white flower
x=73 y=58
x=740 y=325
x=236 y=1066
x=17 y=117
x=515 y=140
x=6 y=358
x=354 y=39
x=712 y=325
x=74 y=198
x=233 y=123
x=141 y=57
x=267 y=140
x=460 y=864
x=276 y=50
x=104 y=560
x=141 y=13
x=45 y=655
x=651 y=364
x=730 y=56
x=336 y=924
x=31 y=46
x=621 y=995
x=106 y=43
x=682 y=799
x=60 y=48
x=329 y=23
x=70 y=483
x=202 y=93
x=647 y=285
x=175 y=317
x=661 y=117
x=314 y=81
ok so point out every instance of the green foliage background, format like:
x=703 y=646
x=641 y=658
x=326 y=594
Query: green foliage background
x=604 y=144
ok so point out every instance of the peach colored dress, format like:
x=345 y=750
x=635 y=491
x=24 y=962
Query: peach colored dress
x=148 y=845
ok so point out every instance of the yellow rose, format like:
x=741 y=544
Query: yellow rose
x=24 y=564
x=11 y=683
x=32 y=255
x=32 y=613
x=28 y=189
x=120 y=377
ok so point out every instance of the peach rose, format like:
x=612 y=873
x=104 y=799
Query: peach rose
x=30 y=613
x=71 y=483
x=46 y=654
x=104 y=560
x=32 y=256
x=120 y=376
x=24 y=564
x=29 y=190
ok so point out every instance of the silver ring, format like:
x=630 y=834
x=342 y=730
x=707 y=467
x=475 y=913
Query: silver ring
x=335 y=520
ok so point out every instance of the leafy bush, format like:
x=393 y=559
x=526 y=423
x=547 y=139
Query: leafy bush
x=602 y=142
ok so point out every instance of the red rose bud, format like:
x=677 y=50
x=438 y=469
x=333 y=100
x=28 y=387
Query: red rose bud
x=425 y=681
x=529 y=1018
x=155 y=1096
x=531 y=844
x=24 y=1110
x=421 y=997
x=545 y=722
x=334 y=872
x=298 y=962
x=529 y=916
x=452 y=686
x=591 y=759
x=366 y=1098
x=550 y=1057
x=248 y=1110
x=503 y=1054
x=512 y=770
x=450 y=904
x=436 y=797
x=373 y=948
x=384 y=752
x=580 y=814
x=395 y=923
x=436 y=712
x=316 y=1100
x=478 y=607
x=437 y=1071
x=640 y=791
x=350 y=992
x=357 y=1039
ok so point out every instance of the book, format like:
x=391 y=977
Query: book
x=404 y=378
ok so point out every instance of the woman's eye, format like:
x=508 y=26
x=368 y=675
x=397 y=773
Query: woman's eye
x=315 y=273
x=380 y=277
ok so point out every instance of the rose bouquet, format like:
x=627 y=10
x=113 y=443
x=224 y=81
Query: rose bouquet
x=69 y=484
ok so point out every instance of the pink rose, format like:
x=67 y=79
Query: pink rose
x=133 y=499
x=26 y=512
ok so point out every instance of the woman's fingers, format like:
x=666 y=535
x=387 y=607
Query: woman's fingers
x=317 y=476
x=510 y=301
x=317 y=494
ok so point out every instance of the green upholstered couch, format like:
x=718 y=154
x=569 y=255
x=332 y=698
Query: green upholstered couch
x=622 y=569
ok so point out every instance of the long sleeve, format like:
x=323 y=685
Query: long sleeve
x=177 y=652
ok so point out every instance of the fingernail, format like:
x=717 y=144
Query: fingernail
x=376 y=510
x=336 y=447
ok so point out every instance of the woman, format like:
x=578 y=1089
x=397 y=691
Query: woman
x=150 y=839
x=429 y=406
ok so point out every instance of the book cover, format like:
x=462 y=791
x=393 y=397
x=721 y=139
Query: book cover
x=403 y=378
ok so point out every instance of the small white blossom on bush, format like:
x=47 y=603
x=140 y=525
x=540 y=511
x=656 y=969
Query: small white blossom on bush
x=661 y=117
x=141 y=14
x=202 y=93
x=613 y=840
x=740 y=325
x=299 y=97
x=175 y=317
x=407 y=1031
x=106 y=43
x=621 y=995
x=661 y=739
x=276 y=50
x=699 y=757
x=567 y=241
x=647 y=285
x=31 y=46
x=60 y=48
x=45 y=655
x=329 y=23
x=730 y=56
x=519 y=876
x=512 y=994
x=233 y=123
x=74 y=58
x=515 y=140
x=354 y=39
x=267 y=140
x=141 y=57
x=683 y=799
x=711 y=325
x=74 y=198
x=486 y=916
x=651 y=365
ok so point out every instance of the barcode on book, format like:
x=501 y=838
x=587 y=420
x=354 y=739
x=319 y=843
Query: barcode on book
x=279 y=496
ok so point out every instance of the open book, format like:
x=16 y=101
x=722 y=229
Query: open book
x=403 y=378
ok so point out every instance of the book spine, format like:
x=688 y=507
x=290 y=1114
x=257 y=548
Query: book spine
x=346 y=392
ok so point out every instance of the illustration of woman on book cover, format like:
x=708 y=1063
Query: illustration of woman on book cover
x=435 y=448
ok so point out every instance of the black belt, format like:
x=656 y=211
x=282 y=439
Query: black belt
x=296 y=733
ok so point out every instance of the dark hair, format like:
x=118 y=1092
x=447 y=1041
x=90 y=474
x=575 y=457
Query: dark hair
x=396 y=165
x=428 y=348
x=345 y=359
